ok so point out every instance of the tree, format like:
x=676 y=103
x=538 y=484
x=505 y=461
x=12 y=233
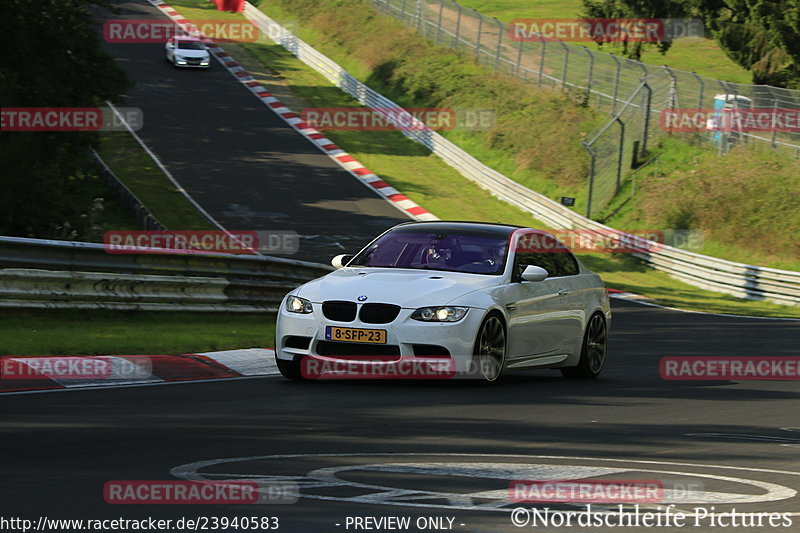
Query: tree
x=636 y=9
x=763 y=36
x=51 y=57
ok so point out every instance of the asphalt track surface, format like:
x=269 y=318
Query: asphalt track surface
x=58 y=449
x=441 y=449
x=242 y=163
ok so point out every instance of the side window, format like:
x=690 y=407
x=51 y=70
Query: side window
x=557 y=264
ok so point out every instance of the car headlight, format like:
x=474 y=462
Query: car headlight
x=446 y=313
x=295 y=304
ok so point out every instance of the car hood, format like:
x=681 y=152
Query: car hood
x=191 y=53
x=404 y=287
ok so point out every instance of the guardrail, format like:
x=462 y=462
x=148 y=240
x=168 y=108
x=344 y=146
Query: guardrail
x=137 y=209
x=38 y=273
x=737 y=279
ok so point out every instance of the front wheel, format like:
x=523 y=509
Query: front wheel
x=593 y=351
x=289 y=369
x=490 y=349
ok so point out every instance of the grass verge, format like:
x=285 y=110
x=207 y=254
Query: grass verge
x=693 y=54
x=68 y=332
x=137 y=170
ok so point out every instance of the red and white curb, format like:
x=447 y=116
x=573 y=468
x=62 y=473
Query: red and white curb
x=43 y=373
x=622 y=295
x=345 y=160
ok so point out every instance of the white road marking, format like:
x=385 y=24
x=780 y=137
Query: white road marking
x=328 y=477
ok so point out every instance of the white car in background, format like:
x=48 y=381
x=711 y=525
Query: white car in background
x=186 y=51
x=477 y=295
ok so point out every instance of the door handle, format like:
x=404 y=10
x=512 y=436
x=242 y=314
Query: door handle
x=563 y=292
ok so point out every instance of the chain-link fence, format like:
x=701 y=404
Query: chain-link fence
x=633 y=93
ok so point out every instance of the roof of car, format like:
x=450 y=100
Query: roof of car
x=454 y=225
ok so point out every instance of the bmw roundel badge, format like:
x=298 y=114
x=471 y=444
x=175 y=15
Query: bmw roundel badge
x=362 y=298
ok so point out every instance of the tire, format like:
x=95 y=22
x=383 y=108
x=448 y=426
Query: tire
x=289 y=369
x=593 y=350
x=489 y=354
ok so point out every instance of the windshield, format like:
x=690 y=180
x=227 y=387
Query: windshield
x=475 y=252
x=191 y=45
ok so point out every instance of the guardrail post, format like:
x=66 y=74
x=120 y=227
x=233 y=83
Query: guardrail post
x=499 y=43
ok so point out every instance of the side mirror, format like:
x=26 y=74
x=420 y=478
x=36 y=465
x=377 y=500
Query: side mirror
x=534 y=273
x=340 y=260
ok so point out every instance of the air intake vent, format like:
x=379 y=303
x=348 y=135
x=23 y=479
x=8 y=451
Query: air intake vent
x=378 y=313
x=339 y=311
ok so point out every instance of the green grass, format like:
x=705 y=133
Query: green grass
x=437 y=187
x=137 y=170
x=68 y=332
x=693 y=54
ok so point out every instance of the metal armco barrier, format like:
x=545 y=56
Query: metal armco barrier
x=737 y=279
x=60 y=274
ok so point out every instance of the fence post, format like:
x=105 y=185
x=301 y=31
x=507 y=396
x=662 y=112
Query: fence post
x=541 y=59
x=648 y=102
x=420 y=17
x=774 y=129
x=591 y=71
x=616 y=82
x=478 y=40
x=499 y=43
x=619 y=155
x=439 y=21
x=566 y=63
x=672 y=97
x=592 y=156
x=519 y=57
x=458 y=25
x=403 y=10
x=702 y=88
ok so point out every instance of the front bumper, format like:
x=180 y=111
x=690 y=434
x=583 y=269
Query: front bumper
x=406 y=339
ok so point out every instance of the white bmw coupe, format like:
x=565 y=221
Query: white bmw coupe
x=484 y=298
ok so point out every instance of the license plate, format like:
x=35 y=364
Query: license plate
x=373 y=336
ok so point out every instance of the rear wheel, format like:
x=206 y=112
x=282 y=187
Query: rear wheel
x=490 y=349
x=593 y=351
x=289 y=369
